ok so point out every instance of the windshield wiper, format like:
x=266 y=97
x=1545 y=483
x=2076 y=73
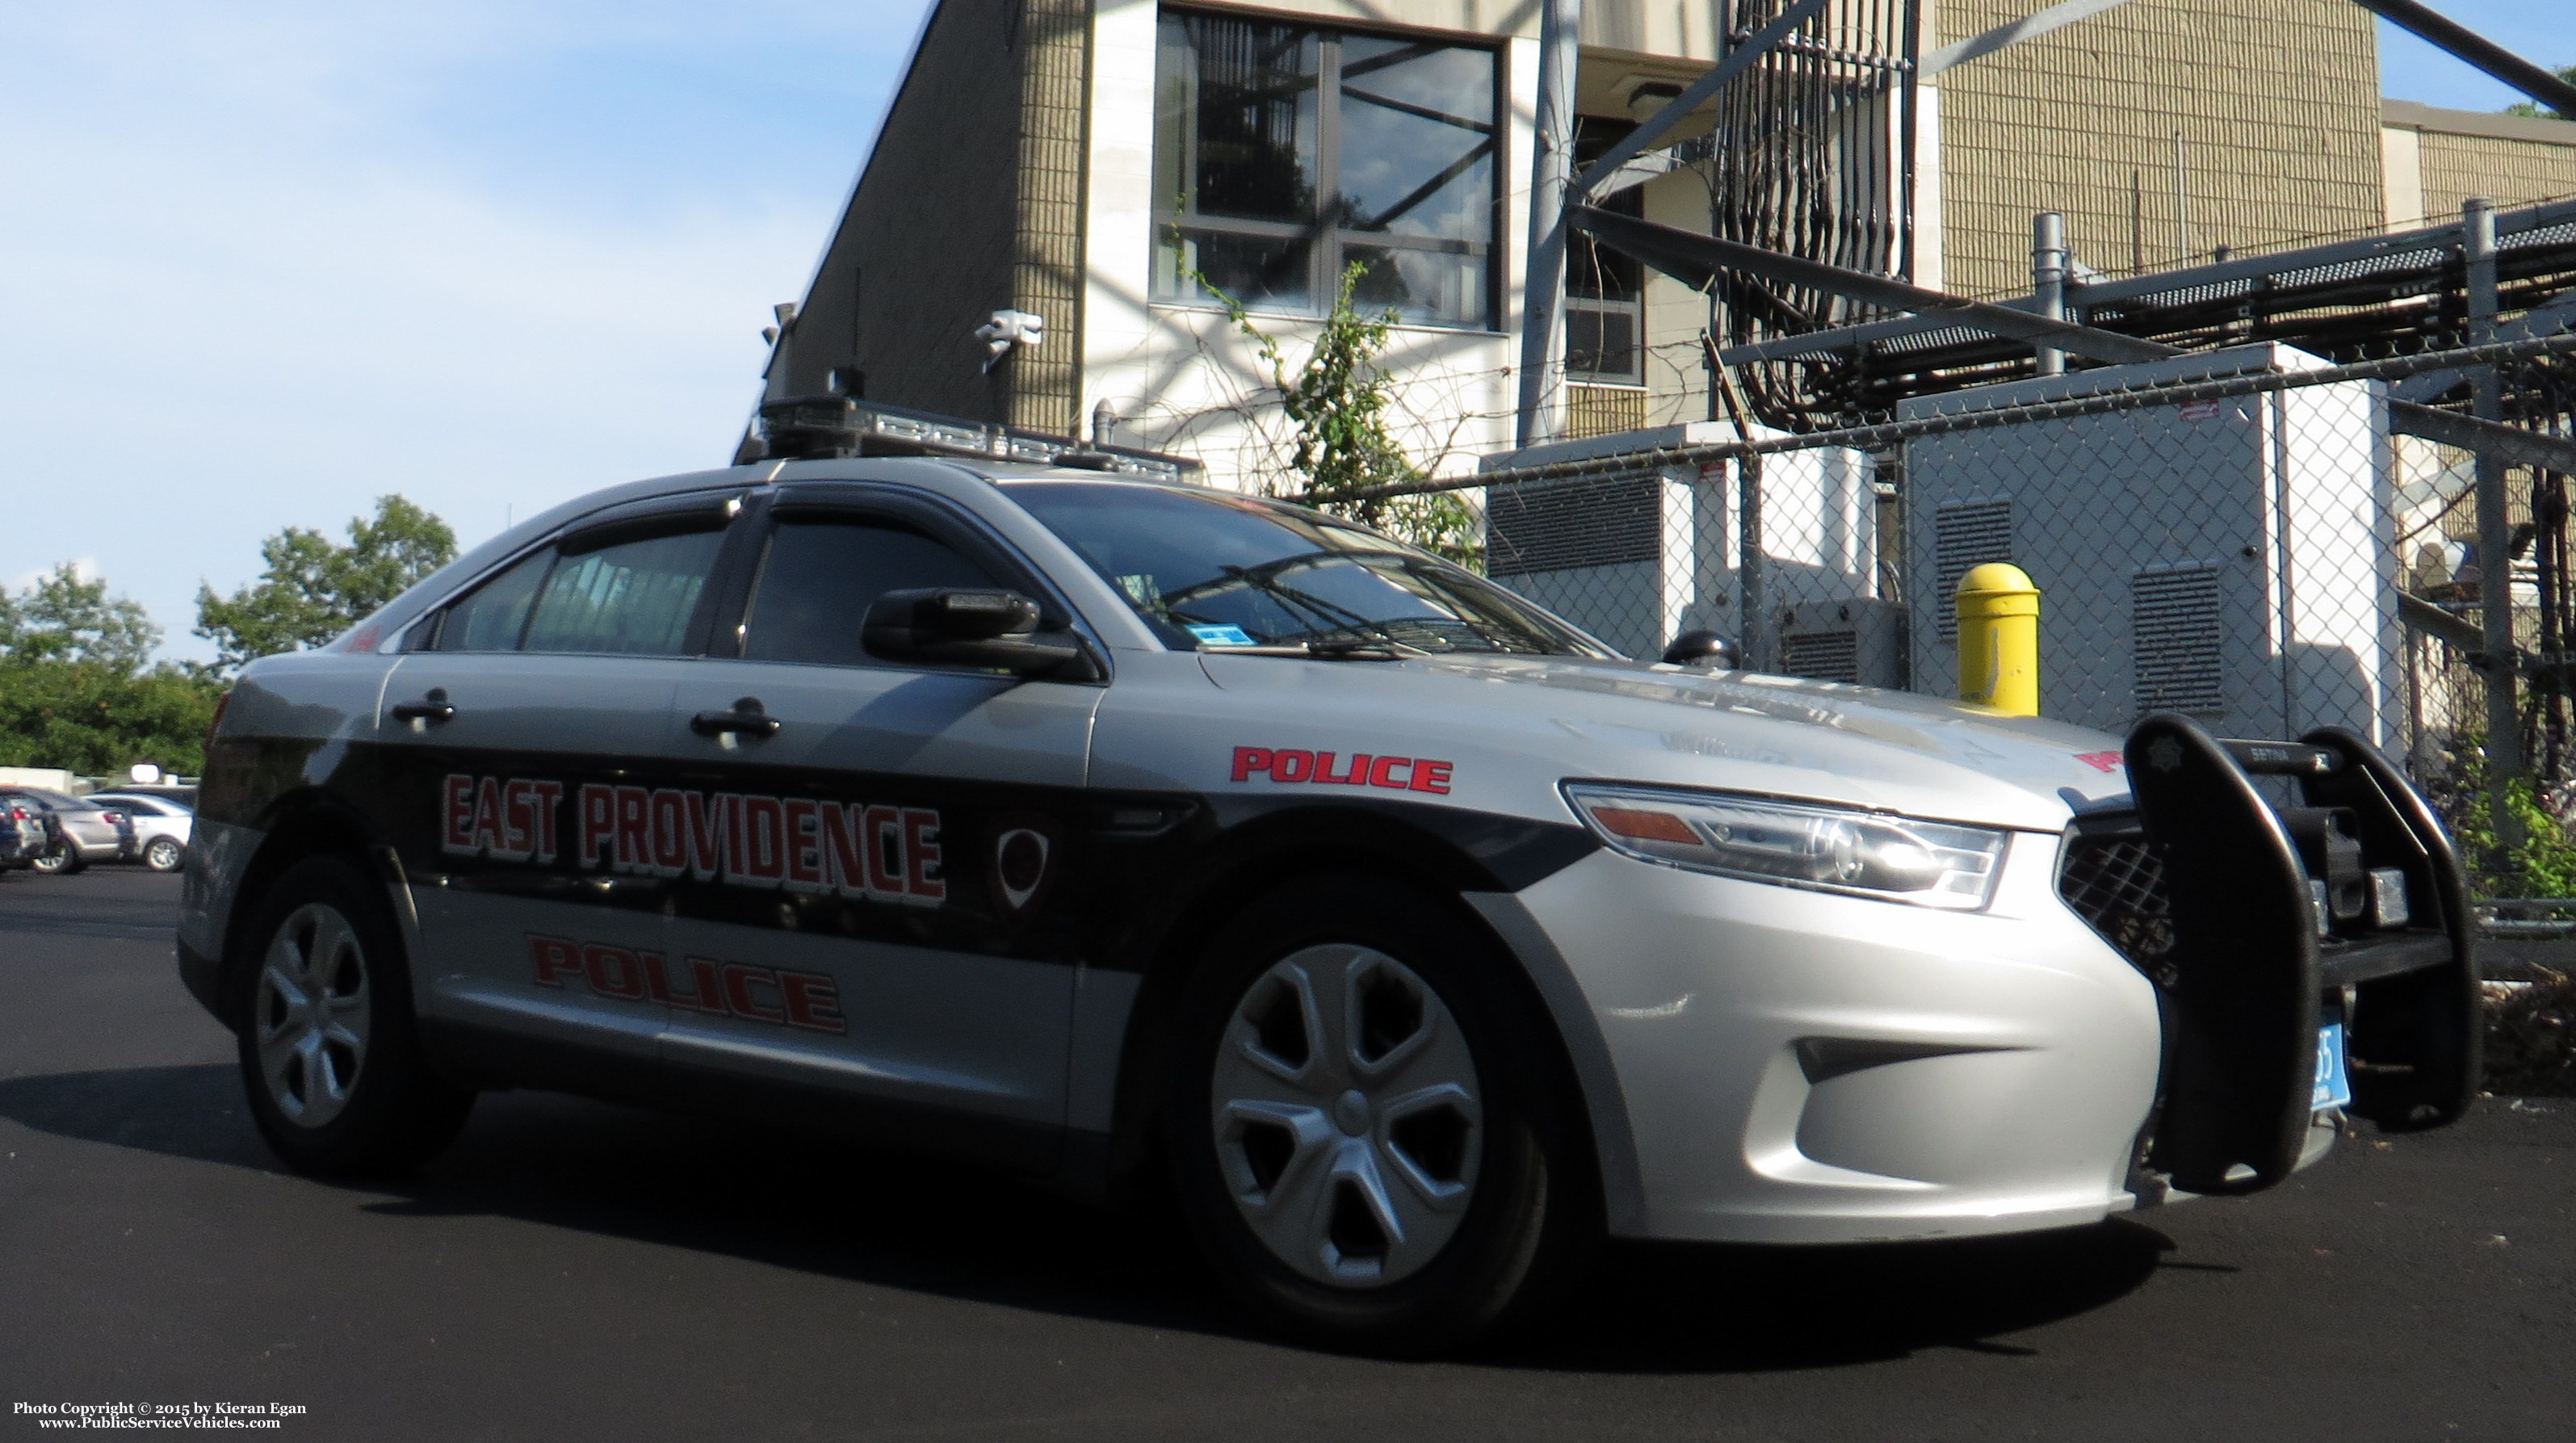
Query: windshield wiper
x=1350 y=649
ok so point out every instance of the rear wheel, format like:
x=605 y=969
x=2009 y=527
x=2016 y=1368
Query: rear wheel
x=163 y=854
x=328 y=1047
x=1371 y=1138
x=62 y=859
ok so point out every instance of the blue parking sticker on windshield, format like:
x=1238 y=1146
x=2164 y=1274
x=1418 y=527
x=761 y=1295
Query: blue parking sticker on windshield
x=1223 y=635
x=2334 y=1084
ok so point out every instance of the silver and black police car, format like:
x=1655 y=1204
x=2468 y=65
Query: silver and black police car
x=1138 y=835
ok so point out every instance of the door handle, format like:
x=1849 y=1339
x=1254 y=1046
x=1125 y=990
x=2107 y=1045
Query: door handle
x=432 y=707
x=745 y=717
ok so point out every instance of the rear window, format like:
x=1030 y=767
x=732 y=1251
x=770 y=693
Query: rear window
x=634 y=598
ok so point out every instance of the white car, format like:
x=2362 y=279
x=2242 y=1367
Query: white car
x=1137 y=836
x=161 y=827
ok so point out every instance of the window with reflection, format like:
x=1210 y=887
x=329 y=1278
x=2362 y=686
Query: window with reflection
x=1284 y=154
x=1605 y=292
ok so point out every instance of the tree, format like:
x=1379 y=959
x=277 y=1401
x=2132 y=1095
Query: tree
x=64 y=618
x=2532 y=108
x=93 y=719
x=314 y=590
x=73 y=689
x=1338 y=401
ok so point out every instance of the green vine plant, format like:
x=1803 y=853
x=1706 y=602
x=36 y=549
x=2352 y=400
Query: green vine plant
x=1337 y=398
x=2544 y=865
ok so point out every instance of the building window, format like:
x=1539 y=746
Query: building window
x=1605 y=292
x=1285 y=153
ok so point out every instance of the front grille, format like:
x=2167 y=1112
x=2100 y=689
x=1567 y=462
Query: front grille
x=2116 y=883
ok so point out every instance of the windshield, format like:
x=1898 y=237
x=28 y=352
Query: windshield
x=1217 y=570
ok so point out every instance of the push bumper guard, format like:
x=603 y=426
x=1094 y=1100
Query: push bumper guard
x=2253 y=918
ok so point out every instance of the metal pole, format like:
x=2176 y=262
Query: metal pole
x=2182 y=208
x=2495 y=531
x=2048 y=280
x=1542 y=407
x=1751 y=614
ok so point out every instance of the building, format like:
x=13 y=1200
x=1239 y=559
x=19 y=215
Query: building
x=2434 y=159
x=1110 y=167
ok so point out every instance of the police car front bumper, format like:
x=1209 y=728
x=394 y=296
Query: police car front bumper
x=1796 y=1066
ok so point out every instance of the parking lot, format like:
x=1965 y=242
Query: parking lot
x=584 y=1271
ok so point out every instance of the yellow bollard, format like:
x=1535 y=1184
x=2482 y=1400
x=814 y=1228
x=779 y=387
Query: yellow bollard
x=1999 y=639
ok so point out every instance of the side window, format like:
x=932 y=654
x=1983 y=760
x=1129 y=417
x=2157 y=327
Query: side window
x=492 y=618
x=821 y=576
x=633 y=598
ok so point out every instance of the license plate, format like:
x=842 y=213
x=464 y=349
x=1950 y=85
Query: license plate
x=2334 y=1085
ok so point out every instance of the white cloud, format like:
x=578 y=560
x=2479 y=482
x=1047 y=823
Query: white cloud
x=259 y=265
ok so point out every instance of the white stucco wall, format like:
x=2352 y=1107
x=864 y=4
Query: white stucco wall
x=1179 y=379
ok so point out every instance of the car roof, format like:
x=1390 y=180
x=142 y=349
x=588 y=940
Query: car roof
x=959 y=480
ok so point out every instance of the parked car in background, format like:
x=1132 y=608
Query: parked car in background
x=161 y=827
x=23 y=836
x=84 y=832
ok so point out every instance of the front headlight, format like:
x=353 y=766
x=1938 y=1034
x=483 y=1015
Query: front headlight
x=1798 y=844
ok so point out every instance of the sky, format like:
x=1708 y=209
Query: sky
x=263 y=261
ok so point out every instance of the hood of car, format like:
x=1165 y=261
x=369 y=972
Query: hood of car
x=1739 y=731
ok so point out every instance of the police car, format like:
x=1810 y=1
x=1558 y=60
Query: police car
x=1134 y=835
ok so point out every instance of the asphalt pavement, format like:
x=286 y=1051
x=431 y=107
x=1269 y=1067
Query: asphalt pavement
x=573 y=1270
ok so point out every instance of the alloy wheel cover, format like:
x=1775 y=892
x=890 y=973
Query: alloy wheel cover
x=1348 y=1117
x=310 y=1016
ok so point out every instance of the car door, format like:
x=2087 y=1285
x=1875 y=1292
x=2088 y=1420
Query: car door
x=882 y=930
x=524 y=729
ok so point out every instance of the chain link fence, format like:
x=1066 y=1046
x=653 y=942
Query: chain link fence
x=2252 y=537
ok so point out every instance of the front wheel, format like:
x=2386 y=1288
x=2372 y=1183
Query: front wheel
x=328 y=1047
x=1373 y=1136
x=163 y=854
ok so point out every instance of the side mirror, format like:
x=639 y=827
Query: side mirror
x=991 y=630
x=1703 y=649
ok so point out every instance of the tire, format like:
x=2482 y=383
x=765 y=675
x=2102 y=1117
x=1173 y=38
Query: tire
x=164 y=854
x=329 y=1050
x=1399 y=1186
x=63 y=860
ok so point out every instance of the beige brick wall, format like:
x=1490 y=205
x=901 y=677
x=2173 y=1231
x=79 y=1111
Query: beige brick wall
x=2277 y=100
x=971 y=202
x=2510 y=172
x=1046 y=270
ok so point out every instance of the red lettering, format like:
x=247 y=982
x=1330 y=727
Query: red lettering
x=1431 y=776
x=457 y=810
x=555 y=957
x=519 y=819
x=738 y=977
x=1248 y=760
x=1383 y=774
x=921 y=848
x=804 y=846
x=614 y=971
x=734 y=843
x=598 y=822
x=1324 y=768
x=845 y=849
x=812 y=1001
x=709 y=996
x=765 y=840
x=1359 y=773
x=547 y=794
x=1293 y=766
x=487 y=816
x=634 y=829
x=670 y=832
x=707 y=833
x=885 y=852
